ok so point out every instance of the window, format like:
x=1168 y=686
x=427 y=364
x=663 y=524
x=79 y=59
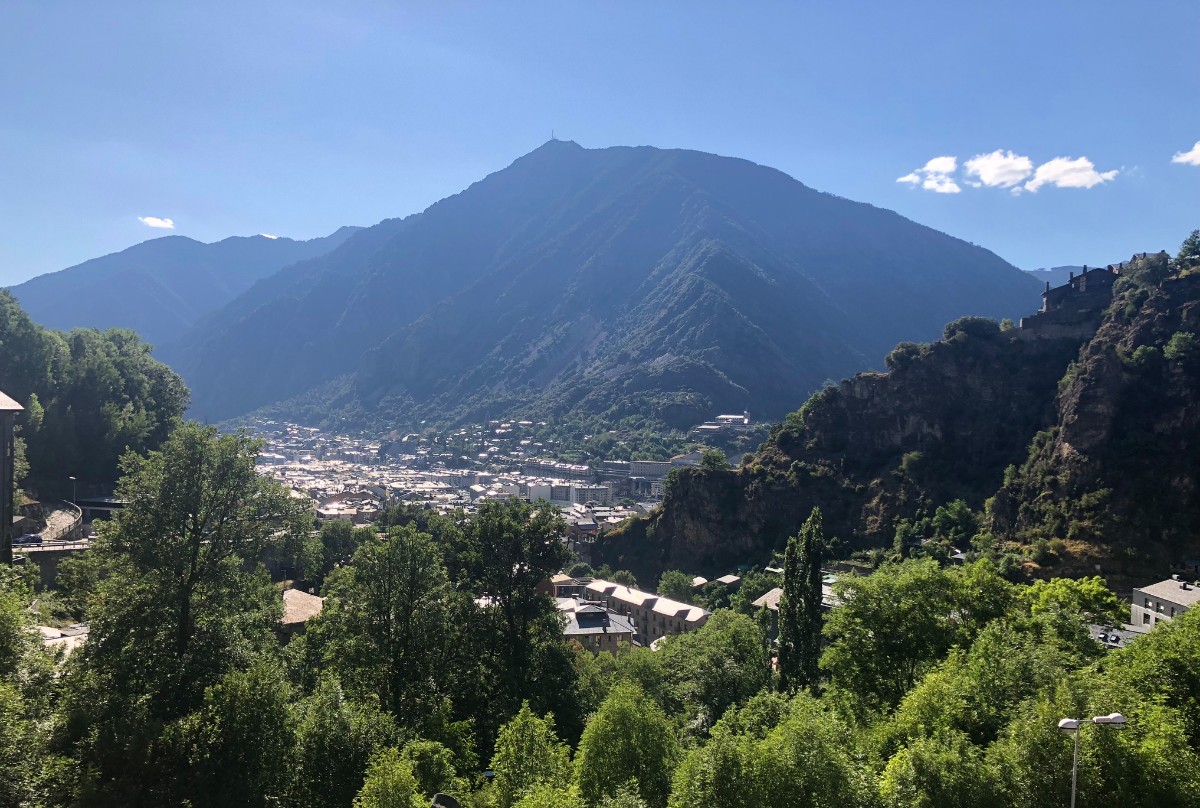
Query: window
x=1145 y=619
x=1147 y=603
x=1172 y=611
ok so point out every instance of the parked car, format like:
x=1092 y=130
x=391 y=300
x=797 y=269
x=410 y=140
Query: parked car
x=28 y=538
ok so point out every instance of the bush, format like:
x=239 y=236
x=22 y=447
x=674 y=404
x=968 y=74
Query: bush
x=971 y=327
x=1183 y=347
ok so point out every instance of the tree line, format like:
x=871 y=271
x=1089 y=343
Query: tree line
x=438 y=665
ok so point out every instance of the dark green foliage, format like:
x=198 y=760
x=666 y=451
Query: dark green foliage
x=1184 y=348
x=529 y=755
x=786 y=754
x=713 y=460
x=389 y=625
x=715 y=667
x=1189 y=252
x=676 y=585
x=336 y=739
x=800 y=615
x=971 y=328
x=628 y=738
x=89 y=396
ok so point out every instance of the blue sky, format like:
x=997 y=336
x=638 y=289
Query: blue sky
x=294 y=118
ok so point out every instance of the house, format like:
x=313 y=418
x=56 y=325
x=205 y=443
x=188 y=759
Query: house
x=652 y=616
x=298 y=608
x=594 y=627
x=770 y=601
x=1164 y=600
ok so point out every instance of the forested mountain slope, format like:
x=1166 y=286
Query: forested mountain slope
x=161 y=287
x=663 y=282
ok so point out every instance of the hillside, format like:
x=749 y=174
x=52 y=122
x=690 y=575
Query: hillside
x=161 y=287
x=1091 y=439
x=609 y=281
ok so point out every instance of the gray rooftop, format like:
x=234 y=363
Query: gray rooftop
x=1173 y=591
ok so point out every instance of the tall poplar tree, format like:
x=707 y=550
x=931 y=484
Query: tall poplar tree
x=800 y=615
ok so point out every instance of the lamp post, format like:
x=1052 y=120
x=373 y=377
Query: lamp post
x=73 y=497
x=1073 y=725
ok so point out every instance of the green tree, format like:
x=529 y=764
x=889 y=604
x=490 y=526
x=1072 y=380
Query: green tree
x=389 y=626
x=336 y=739
x=715 y=667
x=773 y=753
x=1184 y=348
x=624 y=578
x=714 y=460
x=238 y=744
x=389 y=783
x=676 y=585
x=944 y=771
x=890 y=627
x=432 y=765
x=800 y=614
x=183 y=601
x=528 y=755
x=1189 y=251
x=629 y=738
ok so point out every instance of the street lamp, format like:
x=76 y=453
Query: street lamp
x=1073 y=725
x=73 y=497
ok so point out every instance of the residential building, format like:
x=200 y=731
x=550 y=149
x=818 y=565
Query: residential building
x=653 y=616
x=595 y=627
x=1164 y=600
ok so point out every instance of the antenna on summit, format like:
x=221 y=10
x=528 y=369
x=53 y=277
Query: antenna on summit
x=552 y=137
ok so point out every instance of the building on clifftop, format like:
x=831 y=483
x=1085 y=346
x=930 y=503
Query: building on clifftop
x=1073 y=310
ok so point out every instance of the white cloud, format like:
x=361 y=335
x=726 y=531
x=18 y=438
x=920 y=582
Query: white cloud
x=1064 y=172
x=1190 y=158
x=154 y=221
x=940 y=183
x=268 y=235
x=941 y=165
x=935 y=175
x=1000 y=169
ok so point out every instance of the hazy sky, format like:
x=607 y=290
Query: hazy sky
x=296 y=117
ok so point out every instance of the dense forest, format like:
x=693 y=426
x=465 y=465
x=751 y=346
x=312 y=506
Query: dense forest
x=88 y=395
x=437 y=666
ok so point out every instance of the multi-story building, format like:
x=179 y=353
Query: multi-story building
x=1164 y=600
x=653 y=615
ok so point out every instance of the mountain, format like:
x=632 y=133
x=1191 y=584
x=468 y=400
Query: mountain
x=161 y=287
x=664 y=283
x=1080 y=446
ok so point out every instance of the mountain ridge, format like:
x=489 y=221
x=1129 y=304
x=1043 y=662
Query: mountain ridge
x=610 y=279
x=162 y=286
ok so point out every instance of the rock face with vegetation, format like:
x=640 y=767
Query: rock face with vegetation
x=1118 y=475
x=663 y=283
x=1092 y=442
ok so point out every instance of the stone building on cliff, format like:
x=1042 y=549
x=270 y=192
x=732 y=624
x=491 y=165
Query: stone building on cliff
x=1073 y=310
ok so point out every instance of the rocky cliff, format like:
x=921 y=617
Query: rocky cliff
x=1116 y=476
x=941 y=425
x=1093 y=440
